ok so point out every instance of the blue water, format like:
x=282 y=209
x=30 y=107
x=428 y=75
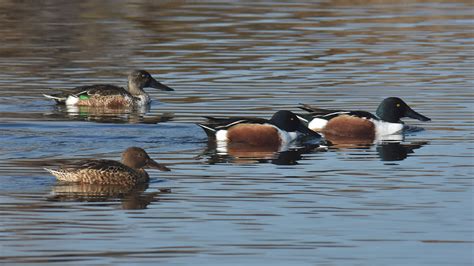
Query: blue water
x=407 y=202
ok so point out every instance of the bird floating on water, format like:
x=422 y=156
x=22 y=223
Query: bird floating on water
x=108 y=172
x=110 y=95
x=361 y=124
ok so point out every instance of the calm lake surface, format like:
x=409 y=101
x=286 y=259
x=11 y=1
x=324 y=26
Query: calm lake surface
x=391 y=203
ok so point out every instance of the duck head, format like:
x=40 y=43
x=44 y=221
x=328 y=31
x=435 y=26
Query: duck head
x=137 y=158
x=392 y=109
x=288 y=121
x=139 y=79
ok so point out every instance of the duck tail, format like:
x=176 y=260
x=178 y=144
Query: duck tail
x=306 y=107
x=61 y=176
x=53 y=172
x=56 y=97
x=210 y=132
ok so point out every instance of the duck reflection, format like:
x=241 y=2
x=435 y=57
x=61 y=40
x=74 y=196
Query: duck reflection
x=244 y=154
x=390 y=148
x=292 y=156
x=395 y=151
x=132 y=198
x=102 y=114
x=344 y=141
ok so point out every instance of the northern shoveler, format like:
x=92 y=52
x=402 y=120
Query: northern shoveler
x=108 y=172
x=110 y=95
x=283 y=128
x=361 y=124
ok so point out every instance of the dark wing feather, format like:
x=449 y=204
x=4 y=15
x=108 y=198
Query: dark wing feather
x=104 y=90
x=223 y=123
x=216 y=123
x=100 y=165
x=99 y=89
x=331 y=113
x=318 y=111
x=363 y=114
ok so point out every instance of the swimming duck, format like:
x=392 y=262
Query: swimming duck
x=111 y=96
x=361 y=124
x=283 y=128
x=108 y=172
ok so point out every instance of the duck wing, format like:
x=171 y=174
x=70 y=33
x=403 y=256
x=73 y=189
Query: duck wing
x=317 y=111
x=88 y=91
x=99 y=165
x=215 y=124
x=328 y=114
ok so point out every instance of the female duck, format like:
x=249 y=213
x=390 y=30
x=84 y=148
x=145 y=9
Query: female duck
x=108 y=172
x=105 y=95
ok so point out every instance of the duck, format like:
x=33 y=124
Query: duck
x=111 y=96
x=129 y=172
x=361 y=124
x=281 y=129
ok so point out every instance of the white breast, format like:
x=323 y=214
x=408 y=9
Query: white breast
x=383 y=128
x=286 y=137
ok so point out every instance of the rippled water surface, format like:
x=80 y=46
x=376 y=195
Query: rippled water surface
x=407 y=202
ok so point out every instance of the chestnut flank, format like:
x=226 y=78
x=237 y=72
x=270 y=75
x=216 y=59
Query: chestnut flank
x=350 y=126
x=256 y=135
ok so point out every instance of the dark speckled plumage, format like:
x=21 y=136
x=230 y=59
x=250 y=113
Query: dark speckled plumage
x=128 y=172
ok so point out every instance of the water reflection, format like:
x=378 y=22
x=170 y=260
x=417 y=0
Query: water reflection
x=131 y=198
x=244 y=154
x=387 y=149
x=245 y=58
x=335 y=139
x=396 y=151
x=109 y=115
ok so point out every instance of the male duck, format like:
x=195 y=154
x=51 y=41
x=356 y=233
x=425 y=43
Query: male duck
x=108 y=172
x=283 y=128
x=112 y=96
x=361 y=124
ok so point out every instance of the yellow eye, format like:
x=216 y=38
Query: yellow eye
x=398 y=105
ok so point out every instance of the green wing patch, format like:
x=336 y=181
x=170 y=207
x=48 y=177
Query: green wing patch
x=84 y=97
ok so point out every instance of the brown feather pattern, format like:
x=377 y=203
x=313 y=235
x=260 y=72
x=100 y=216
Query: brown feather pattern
x=115 y=101
x=100 y=172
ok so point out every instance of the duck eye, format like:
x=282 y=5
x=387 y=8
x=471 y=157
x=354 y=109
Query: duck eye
x=398 y=105
x=143 y=75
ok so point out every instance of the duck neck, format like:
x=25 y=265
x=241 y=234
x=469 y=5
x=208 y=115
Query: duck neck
x=143 y=175
x=387 y=116
x=139 y=93
x=135 y=90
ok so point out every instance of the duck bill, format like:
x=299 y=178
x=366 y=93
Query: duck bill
x=153 y=164
x=412 y=114
x=306 y=131
x=153 y=83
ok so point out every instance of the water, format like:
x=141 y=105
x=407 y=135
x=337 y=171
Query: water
x=403 y=203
